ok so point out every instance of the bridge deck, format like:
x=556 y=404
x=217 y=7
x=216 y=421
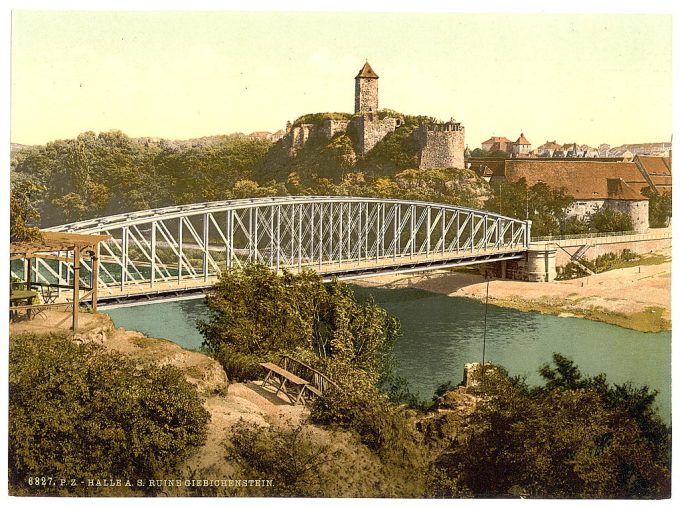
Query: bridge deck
x=344 y=270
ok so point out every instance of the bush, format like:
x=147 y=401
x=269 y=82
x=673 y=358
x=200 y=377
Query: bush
x=660 y=207
x=258 y=315
x=288 y=456
x=602 y=263
x=608 y=220
x=563 y=441
x=78 y=412
x=304 y=461
x=239 y=366
x=359 y=406
x=381 y=426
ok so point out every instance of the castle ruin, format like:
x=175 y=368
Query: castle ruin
x=441 y=145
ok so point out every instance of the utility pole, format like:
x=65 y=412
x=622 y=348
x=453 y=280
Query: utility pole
x=486 y=310
x=527 y=217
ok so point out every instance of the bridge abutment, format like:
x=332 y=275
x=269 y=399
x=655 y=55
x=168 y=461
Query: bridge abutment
x=538 y=265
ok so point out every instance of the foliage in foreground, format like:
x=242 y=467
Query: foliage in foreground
x=257 y=315
x=574 y=438
x=78 y=412
x=303 y=461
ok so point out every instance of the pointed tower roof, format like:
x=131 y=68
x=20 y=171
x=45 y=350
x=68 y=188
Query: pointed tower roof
x=521 y=140
x=367 y=72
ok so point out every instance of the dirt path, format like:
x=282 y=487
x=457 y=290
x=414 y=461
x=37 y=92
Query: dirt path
x=637 y=297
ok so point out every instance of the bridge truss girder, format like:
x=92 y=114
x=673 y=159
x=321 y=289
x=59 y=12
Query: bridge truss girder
x=342 y=235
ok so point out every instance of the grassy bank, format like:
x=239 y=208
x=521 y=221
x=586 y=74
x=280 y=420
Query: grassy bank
x=649 y=320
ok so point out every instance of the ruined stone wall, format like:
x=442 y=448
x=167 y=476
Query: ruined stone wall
x=370 y=130
x=441 y=146
x=299 y=135
x=330 y=128
x=365 y=95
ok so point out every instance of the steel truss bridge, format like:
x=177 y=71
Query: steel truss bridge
x=182 y=249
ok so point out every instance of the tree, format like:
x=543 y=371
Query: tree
x=288 y=456
x=560 y=443
x=544 y=206
x=608 y=220
x=576 y=226
x=76 y=411
x=499 y=154
x=660 y=207
x=257 y=315
x=637 y=401
x=23 y=212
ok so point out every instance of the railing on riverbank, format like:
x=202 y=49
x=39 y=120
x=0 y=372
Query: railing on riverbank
x=652 y=233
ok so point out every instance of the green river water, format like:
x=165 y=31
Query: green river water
x=440 y=334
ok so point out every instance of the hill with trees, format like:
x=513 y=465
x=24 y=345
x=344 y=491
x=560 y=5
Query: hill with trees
x=101 y=174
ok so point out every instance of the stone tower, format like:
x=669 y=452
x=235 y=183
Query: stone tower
x=366 y=90
x=442 y=145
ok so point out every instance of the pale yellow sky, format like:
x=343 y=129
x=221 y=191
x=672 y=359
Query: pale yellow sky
x=585 y=78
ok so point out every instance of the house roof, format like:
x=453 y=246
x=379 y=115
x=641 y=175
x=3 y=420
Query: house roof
x=51 y=241
x=495 y=165
x=550 y=145
x=618 y=189
x=367 y=72
x=521 y=140
x=659 y=171
x=582 y=179
x=496 y=139
x=660 y=166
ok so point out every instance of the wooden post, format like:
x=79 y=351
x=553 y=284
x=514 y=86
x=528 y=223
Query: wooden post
x=94 y=278
x=76 y=286
x=29 y=273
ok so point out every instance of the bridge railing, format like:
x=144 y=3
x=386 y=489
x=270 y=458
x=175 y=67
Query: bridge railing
x=649 y=232
x=579 y=236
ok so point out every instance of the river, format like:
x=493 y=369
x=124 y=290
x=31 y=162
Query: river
x=441 y=333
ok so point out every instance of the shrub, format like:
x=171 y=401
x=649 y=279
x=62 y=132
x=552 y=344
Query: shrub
x=608 y=220
x=257 y=314
x=304 y=461
x=386 y=429
x=563 y=441
x=76 y=411
x=361 y=407
x=660 y=207
x=237 y=365
x=288 y=456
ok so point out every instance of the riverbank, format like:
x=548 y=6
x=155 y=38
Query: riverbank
x=638 y=298
x=226 y=402
x=230 y=406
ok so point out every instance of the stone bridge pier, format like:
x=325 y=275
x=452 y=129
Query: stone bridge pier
x=543 y=257
x=538 y=265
